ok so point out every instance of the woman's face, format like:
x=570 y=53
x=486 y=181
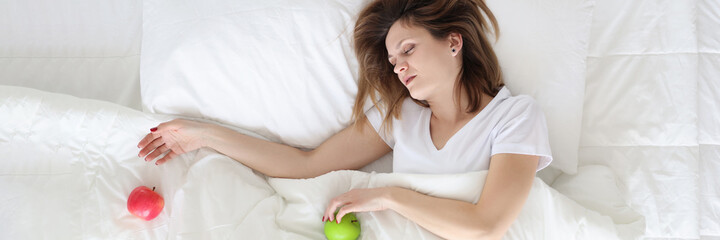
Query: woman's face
x=425 y=65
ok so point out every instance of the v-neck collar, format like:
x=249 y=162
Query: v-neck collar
x=427 y=114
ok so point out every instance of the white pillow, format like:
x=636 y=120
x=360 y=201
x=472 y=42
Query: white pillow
x=542 y=50
x=286 y=69
x=281 y=68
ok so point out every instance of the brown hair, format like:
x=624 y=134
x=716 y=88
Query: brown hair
x=480 y=71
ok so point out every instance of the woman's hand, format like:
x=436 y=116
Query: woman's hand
x=174 y=138
x=357 y=200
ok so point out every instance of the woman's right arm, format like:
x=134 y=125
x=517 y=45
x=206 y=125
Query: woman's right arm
x=351 y=148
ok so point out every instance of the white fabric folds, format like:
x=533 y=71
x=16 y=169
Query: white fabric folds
x=69 y=165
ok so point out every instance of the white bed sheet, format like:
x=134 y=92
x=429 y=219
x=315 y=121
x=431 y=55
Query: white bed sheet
x=69 y=164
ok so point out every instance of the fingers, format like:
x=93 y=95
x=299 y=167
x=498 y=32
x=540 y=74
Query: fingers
x=146 y=140
x=167 y=157
x=343 y=210
x=334 y=204
x=157 y=152
x=151 y=146
x=155 y=133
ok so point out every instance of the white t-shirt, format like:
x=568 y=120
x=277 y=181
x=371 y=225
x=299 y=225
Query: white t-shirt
x=506 y=125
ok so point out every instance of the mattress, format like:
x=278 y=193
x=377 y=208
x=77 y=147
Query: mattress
x=651 y=111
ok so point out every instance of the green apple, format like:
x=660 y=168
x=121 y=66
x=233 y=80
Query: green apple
x=347 y=229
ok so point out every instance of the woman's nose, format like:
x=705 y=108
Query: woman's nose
x=400 y=67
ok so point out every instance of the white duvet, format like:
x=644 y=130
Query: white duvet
x=68 y=165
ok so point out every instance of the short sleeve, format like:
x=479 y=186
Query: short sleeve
x=523 y=130
x=376 y=119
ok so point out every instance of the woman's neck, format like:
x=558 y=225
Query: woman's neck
x=447 y=111
x=445 y=108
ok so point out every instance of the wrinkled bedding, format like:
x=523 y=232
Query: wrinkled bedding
x=648 y=158
x=69 y=164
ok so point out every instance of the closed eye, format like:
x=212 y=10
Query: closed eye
x=406 y=52
x=409 y=49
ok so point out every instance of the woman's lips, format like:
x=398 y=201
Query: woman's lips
x=408 y=79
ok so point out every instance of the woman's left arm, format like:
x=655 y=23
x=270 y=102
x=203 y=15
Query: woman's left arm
x=506 y=189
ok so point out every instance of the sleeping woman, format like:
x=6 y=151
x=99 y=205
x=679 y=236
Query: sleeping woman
x=440 y=105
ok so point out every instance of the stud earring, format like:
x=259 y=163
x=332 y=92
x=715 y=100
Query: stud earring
x=453 y=50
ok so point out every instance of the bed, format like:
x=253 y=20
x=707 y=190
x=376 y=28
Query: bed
x=631 y=90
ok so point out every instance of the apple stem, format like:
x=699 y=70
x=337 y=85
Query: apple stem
x=353 y=221
x=153 y=189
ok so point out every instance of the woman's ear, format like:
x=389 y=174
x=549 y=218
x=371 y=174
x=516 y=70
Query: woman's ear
x=456 y=43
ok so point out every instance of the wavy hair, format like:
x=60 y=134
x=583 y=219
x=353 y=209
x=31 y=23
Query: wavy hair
x=480 y=70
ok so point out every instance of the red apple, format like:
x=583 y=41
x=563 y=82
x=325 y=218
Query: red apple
x=145 y=203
